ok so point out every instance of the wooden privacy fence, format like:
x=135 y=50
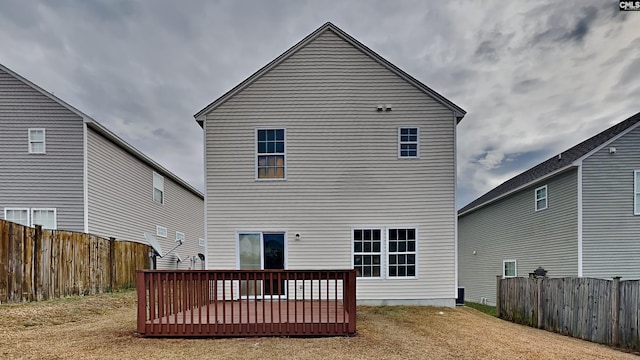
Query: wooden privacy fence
x=204 y=303
x=598 y=310
x=37 y=264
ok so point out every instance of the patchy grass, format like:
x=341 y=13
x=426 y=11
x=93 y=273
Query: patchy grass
x=487 y=309
x=103 y=327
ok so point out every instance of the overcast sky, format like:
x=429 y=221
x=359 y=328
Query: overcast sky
x=535 y=77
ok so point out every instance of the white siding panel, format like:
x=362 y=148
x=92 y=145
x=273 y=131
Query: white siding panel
x=342 y=167
x=511 y=229
x=611 y=232
x=50 y=180
x=121 y=203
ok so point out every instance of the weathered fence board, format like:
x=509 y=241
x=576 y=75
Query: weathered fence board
x=598 y=310
x=38 y=264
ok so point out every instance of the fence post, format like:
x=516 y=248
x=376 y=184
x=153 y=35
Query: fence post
x=539 y=295
x=615 y=310
x=37 y=238
x=498 y=278
x=112 y=263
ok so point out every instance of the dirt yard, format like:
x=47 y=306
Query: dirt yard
x=103 y=327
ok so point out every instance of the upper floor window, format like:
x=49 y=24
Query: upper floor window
x=36 y=141
x=541 y=198
x=158 y=188
x=20 y=216
x=408 y=142
x=509 y=268
x=270 y=148
x=636 y=192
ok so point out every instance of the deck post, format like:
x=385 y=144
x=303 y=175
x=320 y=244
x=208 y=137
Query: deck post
x=352 y=301
x=141 y=289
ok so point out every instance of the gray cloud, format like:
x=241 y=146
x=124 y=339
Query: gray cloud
x=535 y=77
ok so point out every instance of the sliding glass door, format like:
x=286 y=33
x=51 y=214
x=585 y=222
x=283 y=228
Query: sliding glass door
x=261 y=251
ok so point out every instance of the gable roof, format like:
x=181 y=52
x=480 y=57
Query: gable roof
x=559 y=163
x=94 y=125
x=458 y=111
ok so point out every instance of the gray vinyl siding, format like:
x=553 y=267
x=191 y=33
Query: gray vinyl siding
x=342 y=167
x=51 y=180
x=511 y=229
x=611 y=232
x=121 y=202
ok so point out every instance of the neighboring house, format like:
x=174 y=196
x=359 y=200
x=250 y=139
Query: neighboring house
x=576 y=214
x=330 y=157
x=61 y=169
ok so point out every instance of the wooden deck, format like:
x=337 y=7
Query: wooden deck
x=209 y=304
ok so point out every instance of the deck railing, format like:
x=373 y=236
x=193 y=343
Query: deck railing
x=202 y=303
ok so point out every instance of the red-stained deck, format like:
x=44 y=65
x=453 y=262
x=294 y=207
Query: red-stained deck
x=212 y=303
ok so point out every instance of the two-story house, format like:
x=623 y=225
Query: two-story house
x=575 y=214
x=331 y=157
x=61 y=169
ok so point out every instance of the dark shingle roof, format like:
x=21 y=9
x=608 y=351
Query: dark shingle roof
x=554 y=164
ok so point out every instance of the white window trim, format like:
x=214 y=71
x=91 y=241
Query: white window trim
x=180 y=234
x=546 y=198
x=256 y=154
x=44 y=141
x=382 y=252
x=636 y=191
x=415 y=252
x=201 y=242
x=19 y=209
x=153 y=183
x=417 y=142
x=515 y=268
x=55 y=216
x=160 y=230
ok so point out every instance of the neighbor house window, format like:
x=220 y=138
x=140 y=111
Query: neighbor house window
x=158 y=188
x=408 y=142
x=541 y=198
x=201 y=242
x=179 y=236
x=270 y=154
x=509 y=269
x=402 y=252
x=44 y=217
x=36 y=141
x=636 y=192
x=20 y=216
x=161 y=231
x=367 y=252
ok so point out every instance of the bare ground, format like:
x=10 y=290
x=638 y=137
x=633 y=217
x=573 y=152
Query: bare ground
x=103 y=327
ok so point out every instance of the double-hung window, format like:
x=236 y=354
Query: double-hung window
x=367 y=252
x=408 y=142
x=36 y=141
x=32 y=217
x=158 y=188
x=541 y=198
x=402 y=252
x=509 y=269
x=385 y=252
x=636 y=192
x=270 y=149
x=44 y=217
x=17 y=215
